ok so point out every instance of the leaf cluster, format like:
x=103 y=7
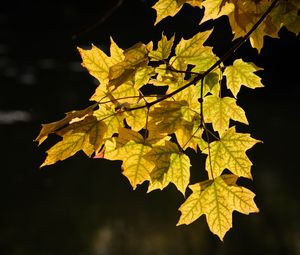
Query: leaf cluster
x=152 y=132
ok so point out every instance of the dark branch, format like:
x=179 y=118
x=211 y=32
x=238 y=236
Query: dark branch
x=209 y=70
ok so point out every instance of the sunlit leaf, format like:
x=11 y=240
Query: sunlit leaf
x=215 y=9
x=86 y=135
x=171 y=166
x=219 y=111
x=134 y=166
x=96 y=62
x=192 y=51
x=230 y=153
x=165 y=8
x=53 y=126
x=163 y=50
x=217 y=201
x=242 y=73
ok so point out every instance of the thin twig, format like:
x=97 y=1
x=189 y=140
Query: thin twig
x=216 y=64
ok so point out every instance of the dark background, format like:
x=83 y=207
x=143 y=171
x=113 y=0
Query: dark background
x=84 y=206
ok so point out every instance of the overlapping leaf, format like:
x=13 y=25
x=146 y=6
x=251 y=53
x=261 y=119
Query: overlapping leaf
x=86 y=135
x=52 y=127
x=131 y=149
x=170 y=166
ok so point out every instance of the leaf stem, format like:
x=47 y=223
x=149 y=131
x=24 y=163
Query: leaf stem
x=209 y=153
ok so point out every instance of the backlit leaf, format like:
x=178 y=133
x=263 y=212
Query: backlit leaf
x=165 y=8
x=171 y=166
x=230 y=153
x=52 y=127
x=219 y=111
x=135 y=166
x=86 y=135
x=112 y=119
x=242 y=73
x=96 y=62
x=217 y=200
x=192 y=50
x=215 y=9
x=163 y=50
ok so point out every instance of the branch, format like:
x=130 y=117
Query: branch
x=209 y=70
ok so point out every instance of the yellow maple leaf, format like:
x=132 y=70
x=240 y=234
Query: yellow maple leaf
x=164 y=47
x=219 y=111
x=135 y=166
x=170 y=166
x=242 y=73
x=229 y=152
x=217 y=200
x=215 y=9
x=192 y=50
x=86 y=135
x=165 y=8
x=111 y=118
x=96 y=62
x=53 y=126
x=168 y=115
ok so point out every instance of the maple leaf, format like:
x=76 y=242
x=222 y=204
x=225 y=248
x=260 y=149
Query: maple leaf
x=142 y=76
x=134 y=57
x=137 y=119
x=171 y=166
x=164 y=47
x=230 y=153
x=52 y=127
x=242 y=73
x=86 y=135
x=217 y=200
x=111 y=118
x=215 y=9
x=116 y=52
x=189 y=133
x=168 y=115
x=219 y=111
x=165 y=8
x=131 y=149
x=192 y=51
x=96 y=62
x=286 y=13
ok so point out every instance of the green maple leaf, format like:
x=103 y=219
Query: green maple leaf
x=219 y=111
x=86 y=135
x=230 y=153
x=217 y=200
x=242 y=73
